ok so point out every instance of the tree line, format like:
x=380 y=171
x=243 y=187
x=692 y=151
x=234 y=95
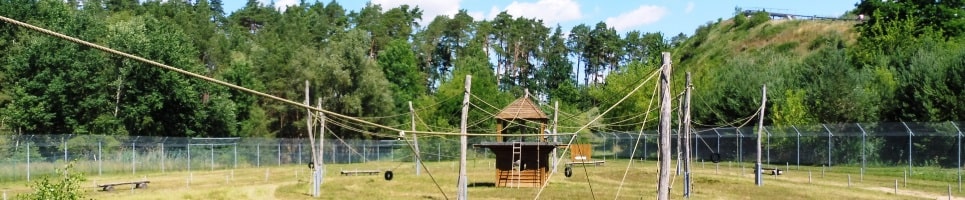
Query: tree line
x=371 y=62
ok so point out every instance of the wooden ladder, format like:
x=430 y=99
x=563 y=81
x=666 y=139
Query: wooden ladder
x=517 y=162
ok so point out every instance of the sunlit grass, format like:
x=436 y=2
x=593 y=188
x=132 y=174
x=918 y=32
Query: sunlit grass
x=729 y=181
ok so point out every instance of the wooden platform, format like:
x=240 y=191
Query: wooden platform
x=525 y=178
x=533 y=168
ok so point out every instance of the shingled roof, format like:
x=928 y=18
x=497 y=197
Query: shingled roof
x=521 y=108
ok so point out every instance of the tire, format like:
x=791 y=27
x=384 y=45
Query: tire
x=311 y=165
x=715 y=158
x=568 y=171
x=388 y=175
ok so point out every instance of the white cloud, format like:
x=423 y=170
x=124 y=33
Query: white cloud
x=430 y=8
x=646 y=14
x=477 y=15
x=280 y=4
x=550 y=11
x=690 y=7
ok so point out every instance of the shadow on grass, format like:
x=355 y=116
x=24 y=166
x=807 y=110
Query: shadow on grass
x=482 y=184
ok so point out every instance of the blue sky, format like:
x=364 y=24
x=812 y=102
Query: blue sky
x=667 y=16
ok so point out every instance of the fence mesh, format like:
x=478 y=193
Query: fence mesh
x=859 y=144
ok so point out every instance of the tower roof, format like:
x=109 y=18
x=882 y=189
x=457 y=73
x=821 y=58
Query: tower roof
x=521 y=108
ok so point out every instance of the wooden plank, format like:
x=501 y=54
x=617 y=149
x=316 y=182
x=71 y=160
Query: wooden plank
x=137 y=185
x=357 y=172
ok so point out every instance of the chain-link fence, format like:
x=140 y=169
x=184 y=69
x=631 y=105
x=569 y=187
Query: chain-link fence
x=23 y=156
x=858 y=144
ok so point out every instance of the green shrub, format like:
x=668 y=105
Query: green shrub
x=757 y=19
x=67 y=187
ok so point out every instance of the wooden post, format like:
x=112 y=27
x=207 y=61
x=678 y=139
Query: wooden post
x=556 y=114
x=499 y=130
x=686 y=134
x=321 y=145
x=311 y=139
x=462 y=191
x=760 y=135
x=415 y=140
x=663 y=182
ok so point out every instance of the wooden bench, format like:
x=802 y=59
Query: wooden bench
x=137 y=184
x=772 y=171
x=359 y=172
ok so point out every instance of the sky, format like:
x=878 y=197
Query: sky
x=667 y=16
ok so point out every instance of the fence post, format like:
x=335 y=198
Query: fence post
x=64 y=142
x=909 y=144
x=697 y=150
x=798 y=146
x=740 y=149
x=864 y=135
x=299 y=152
x=644 y=146
x=236 y=155
x=768 y=144
x=189 y=158
x=279 y=153
x=162 y=156
x=718 y=143
x=211 y=159
x=958 y=147
x=829 y=143
x=100 y=158
x=134 y=155
x=28 y=157
x=258 y=154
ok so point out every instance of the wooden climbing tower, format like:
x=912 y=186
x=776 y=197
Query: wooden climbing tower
x=521 y=161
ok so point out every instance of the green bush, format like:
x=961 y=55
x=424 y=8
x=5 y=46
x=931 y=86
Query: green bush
x=68 y=187
x=757 y=19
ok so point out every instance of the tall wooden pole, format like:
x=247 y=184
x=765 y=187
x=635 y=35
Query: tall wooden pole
x=463 y=142
x=415 y=140
x=311 y=139
x=760 y=135
x=686 y=134
x=556 y=114
x=321 y=145
x=663 y=182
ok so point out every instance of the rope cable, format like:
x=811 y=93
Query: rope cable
x=637 y=143
x=540 y=192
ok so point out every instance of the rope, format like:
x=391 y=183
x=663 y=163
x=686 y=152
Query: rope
x=419 y=158
x=654 y=74
x=636 y=144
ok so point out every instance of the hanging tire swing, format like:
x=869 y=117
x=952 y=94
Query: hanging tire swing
x=388 y=175
x=715 y=157
x=568 y=171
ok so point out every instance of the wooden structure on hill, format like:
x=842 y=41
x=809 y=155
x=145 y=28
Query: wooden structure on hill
x=521 y=163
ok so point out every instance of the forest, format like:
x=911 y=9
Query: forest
x=905 y=63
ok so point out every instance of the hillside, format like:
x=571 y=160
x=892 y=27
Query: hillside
x=750 y=52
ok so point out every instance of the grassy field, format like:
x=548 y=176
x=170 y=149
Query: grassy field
x=729 y=181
